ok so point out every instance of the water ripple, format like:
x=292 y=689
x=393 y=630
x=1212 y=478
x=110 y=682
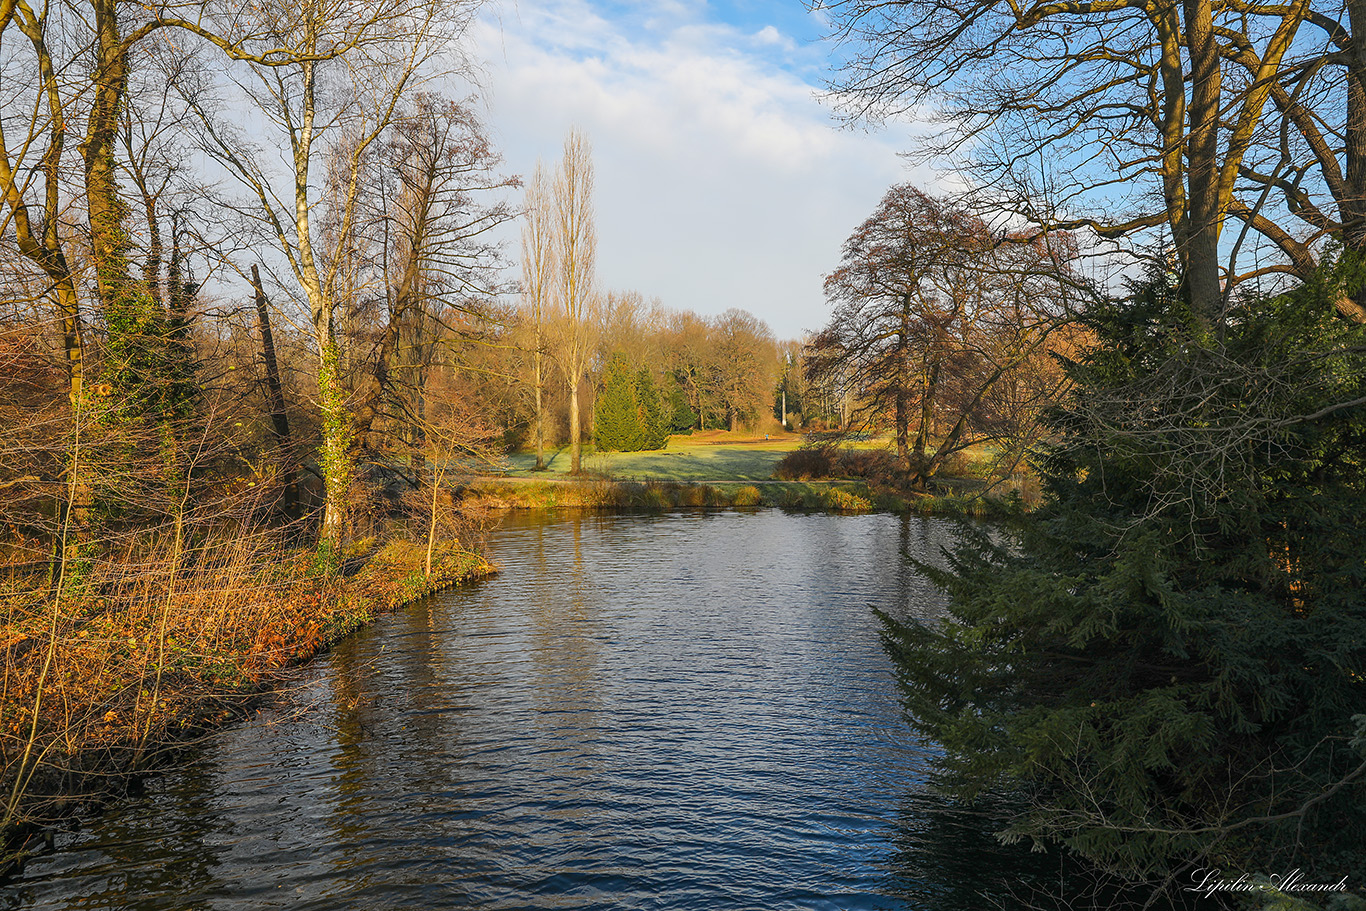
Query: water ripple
x=682 y=712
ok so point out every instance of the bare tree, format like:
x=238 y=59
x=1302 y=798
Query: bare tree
x=329 y=79
x=425 y=232
x=935 y=322
x=576 y=296
x=901 y=290
x=1090 y=112
x=538 y=270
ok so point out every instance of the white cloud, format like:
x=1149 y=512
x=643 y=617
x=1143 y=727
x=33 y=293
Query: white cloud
x=721 y=180
x=770 y=35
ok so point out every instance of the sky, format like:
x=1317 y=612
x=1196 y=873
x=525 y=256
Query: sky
x=723 y=180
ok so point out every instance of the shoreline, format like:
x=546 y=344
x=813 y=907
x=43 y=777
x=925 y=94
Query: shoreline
x=124 y=733
x=123 y=747
x=837 y=496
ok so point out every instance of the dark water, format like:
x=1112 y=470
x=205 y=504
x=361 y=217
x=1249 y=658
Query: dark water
x=689 y=711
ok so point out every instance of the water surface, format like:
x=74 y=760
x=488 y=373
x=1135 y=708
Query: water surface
x=686 y=711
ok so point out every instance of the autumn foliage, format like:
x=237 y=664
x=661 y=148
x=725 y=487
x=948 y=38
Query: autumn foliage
x=143 y=654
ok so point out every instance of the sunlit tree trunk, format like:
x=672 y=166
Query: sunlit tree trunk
x=540 y=407
x=903 y=386
x=575 y=430
x=334 y=452
x=1352 y=203
x=108 y=234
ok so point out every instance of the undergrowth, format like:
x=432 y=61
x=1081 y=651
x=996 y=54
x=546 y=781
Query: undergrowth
x=144 y=649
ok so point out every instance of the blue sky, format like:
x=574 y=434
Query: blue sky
x=722 y=180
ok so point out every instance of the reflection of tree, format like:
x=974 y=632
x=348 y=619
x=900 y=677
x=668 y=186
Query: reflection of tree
x=183 y=859
x=566 y=650
x=399 y=741
x=356 y=755
x=918 y=538
x=947 y=859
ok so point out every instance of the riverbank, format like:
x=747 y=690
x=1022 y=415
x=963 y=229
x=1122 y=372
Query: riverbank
x=139 y=658
x=632 y=686
x=816 y=496
x=722 y=469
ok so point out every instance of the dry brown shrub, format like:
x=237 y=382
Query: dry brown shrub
x=466 y=520
x=124 y=663
x=805 y=464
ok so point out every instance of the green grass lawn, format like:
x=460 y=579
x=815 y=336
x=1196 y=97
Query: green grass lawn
x=711 y=456
x=714 y=468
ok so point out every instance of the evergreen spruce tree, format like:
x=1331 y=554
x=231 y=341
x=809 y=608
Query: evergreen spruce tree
x=616 y=423
x=1168 y=658
x=629 y=414
x=650 y=405
x=682 y=419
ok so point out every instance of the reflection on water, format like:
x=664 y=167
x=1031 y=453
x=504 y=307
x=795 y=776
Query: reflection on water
x=673 y=712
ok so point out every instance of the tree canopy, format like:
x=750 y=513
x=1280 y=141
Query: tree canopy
x=941 y=328
x=1126 y=117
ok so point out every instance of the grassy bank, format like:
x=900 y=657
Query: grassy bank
x=720 y=469
x=138 y=656
x=606 y=493
x=709 y=456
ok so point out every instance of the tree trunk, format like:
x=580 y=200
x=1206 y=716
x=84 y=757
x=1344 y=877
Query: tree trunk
x=575 y=446
x=903 y=380
x=108 y=238
x=73 y=339
x=1353 y=205
x=1200 y=247
x=279 y=418
x=431 y=524
x=903 y=421
x=335 y=451
x=927 y=403
x=540 y=408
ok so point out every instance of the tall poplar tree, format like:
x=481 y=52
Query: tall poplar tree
x=538 y=272
x=575 y=244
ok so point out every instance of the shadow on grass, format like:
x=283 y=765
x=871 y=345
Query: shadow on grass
x=703 y=465
x=691 y=464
